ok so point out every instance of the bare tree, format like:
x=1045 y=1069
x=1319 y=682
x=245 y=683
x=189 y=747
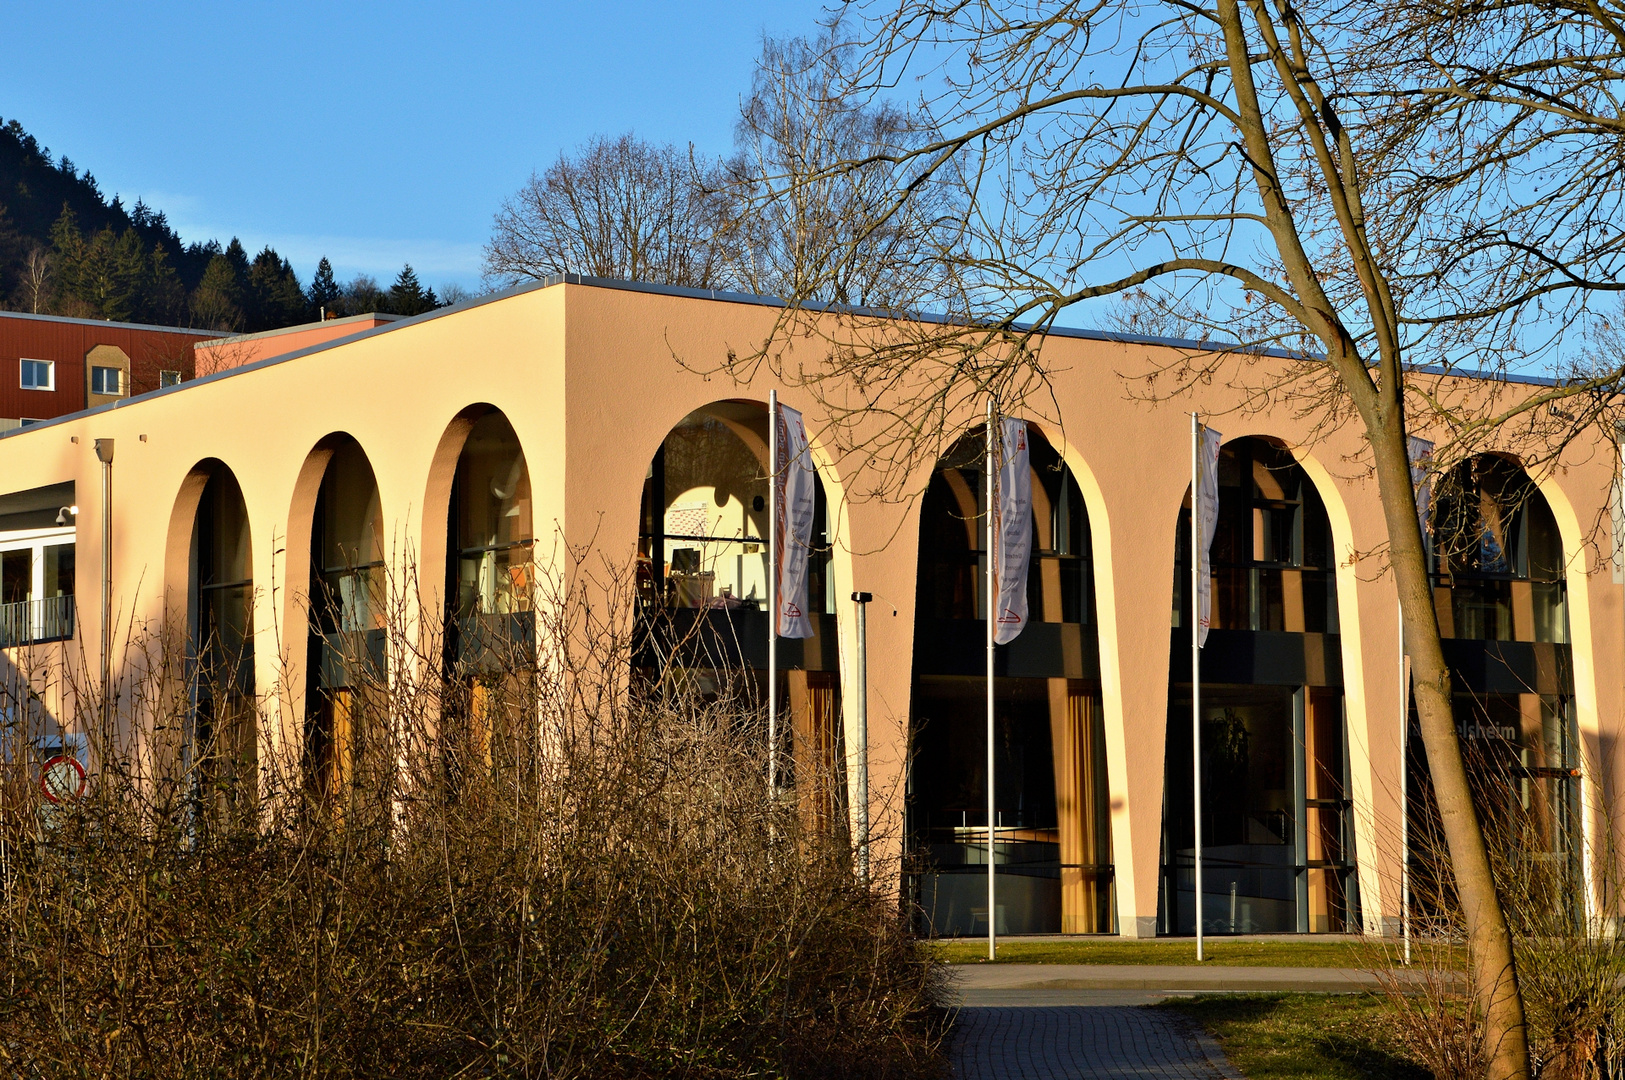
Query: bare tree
x=35 y=289
x=620 y=208
x=800 y=228
x=1268 y=173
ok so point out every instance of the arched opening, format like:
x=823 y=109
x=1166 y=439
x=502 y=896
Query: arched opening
x=1277 y=820
x=222 y=744
x=345 y=640
x=1501 y=598
x=1053 y=840
x=702 y=619
x=490 y=636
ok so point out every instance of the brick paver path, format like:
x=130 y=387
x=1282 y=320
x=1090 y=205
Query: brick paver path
x=1083 y=1043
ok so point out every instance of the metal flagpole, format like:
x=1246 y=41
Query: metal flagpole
x=992 y=622
x=772 y=592
x=1404 y=788
x=1196 y=663
x=861 y=601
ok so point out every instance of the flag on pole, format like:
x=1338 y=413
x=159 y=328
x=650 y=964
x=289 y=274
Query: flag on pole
x=1012 y=531
x=792 y=532
x=1420 y=452
x=1209 y=522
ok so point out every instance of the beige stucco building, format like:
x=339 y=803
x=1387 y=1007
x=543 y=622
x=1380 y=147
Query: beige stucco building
x=472 y=439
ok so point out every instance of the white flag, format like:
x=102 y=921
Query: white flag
x=1012 y=532
x=1208 y=503
x=1420 y=452
x=792 y=533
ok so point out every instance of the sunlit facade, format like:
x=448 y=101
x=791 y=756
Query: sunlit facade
x=473 y=460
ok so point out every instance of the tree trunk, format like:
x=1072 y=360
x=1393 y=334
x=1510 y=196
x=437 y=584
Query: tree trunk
x=1493 y=968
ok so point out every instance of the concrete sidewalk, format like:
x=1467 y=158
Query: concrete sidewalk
x=1125 y=984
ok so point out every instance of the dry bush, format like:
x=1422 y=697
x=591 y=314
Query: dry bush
x=1571 y=970
x=526 y=869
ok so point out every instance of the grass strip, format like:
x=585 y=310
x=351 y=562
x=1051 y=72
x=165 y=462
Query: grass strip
x=1304 y=1036
x=1313 y=954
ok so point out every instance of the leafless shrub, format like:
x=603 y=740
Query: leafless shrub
x=507 y=864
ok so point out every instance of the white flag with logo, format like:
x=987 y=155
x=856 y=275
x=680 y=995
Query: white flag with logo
x=792 y=533
x=1207 y=502
x=1012 y=532
x=1420 y=452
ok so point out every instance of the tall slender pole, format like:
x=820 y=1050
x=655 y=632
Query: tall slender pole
x=1404 y=789
x=1196 y=665
x=104 y=454
x=861 y=599
x=772 y=592
x=991 y=606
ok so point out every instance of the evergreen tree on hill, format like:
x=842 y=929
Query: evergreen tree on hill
x=273 y=296
x=324 y=289
x=217 y=301
x=407 y=296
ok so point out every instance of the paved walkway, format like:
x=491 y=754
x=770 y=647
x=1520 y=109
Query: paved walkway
x=1128 y=984
x=1092 y=1043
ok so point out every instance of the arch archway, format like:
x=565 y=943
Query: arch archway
x=222 y=743
x=1499 y=571
x=1054 y=836
x=344 y=618
x=1277 y=812
x=702 y=589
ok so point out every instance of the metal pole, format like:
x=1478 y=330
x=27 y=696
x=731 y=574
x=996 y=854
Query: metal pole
x=104 y=454
x=991 y=614
x=772 y=592
x=1404 y=787
x=862 y=600
x=1196 y=665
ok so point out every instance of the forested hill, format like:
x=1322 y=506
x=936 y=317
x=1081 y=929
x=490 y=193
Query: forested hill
x=67 y=249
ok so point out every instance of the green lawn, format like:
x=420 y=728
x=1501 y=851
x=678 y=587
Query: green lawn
x=1303 y=1036
x=1303 y=953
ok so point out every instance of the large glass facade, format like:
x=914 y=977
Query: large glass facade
x=1278 y=853
x=1052 y=846
x=1500 y=594
x=702 y=618
x=223 y=737
x=491 y=593
x=346 y=637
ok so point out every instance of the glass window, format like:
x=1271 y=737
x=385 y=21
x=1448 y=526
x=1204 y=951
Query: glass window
x=38 y=374
x=492 y=527
x=1498 y=556
x=169 y=378
x=1272 y=558
x=106 y=380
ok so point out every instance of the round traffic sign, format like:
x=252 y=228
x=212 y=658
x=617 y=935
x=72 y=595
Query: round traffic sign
x=62 y=777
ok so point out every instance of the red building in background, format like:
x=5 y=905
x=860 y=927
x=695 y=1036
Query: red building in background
x=51 y=366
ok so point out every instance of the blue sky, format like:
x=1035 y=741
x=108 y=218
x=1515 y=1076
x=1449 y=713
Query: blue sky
x=375 y=134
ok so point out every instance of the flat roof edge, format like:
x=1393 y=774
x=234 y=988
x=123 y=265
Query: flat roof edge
x=108 y=322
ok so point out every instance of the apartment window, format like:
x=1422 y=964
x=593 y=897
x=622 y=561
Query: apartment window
x=105 y=380
x=169 y=378
x=29 y=421
x=39 y=375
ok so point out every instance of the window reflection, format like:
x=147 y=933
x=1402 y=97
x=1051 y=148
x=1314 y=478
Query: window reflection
x=1498 y=556
x=223 y=738
x=347 y=590
x=1272 y=559
x=492 y=531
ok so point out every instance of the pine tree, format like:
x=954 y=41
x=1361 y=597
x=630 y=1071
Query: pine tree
x=273 y=297
x=217 y=301
x=324 y=289
x=68 y=259
x=406 y=295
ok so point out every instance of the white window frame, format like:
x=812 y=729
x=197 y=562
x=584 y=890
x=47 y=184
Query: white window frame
x=169 y=378
x=118 y=378
x=50 y=373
